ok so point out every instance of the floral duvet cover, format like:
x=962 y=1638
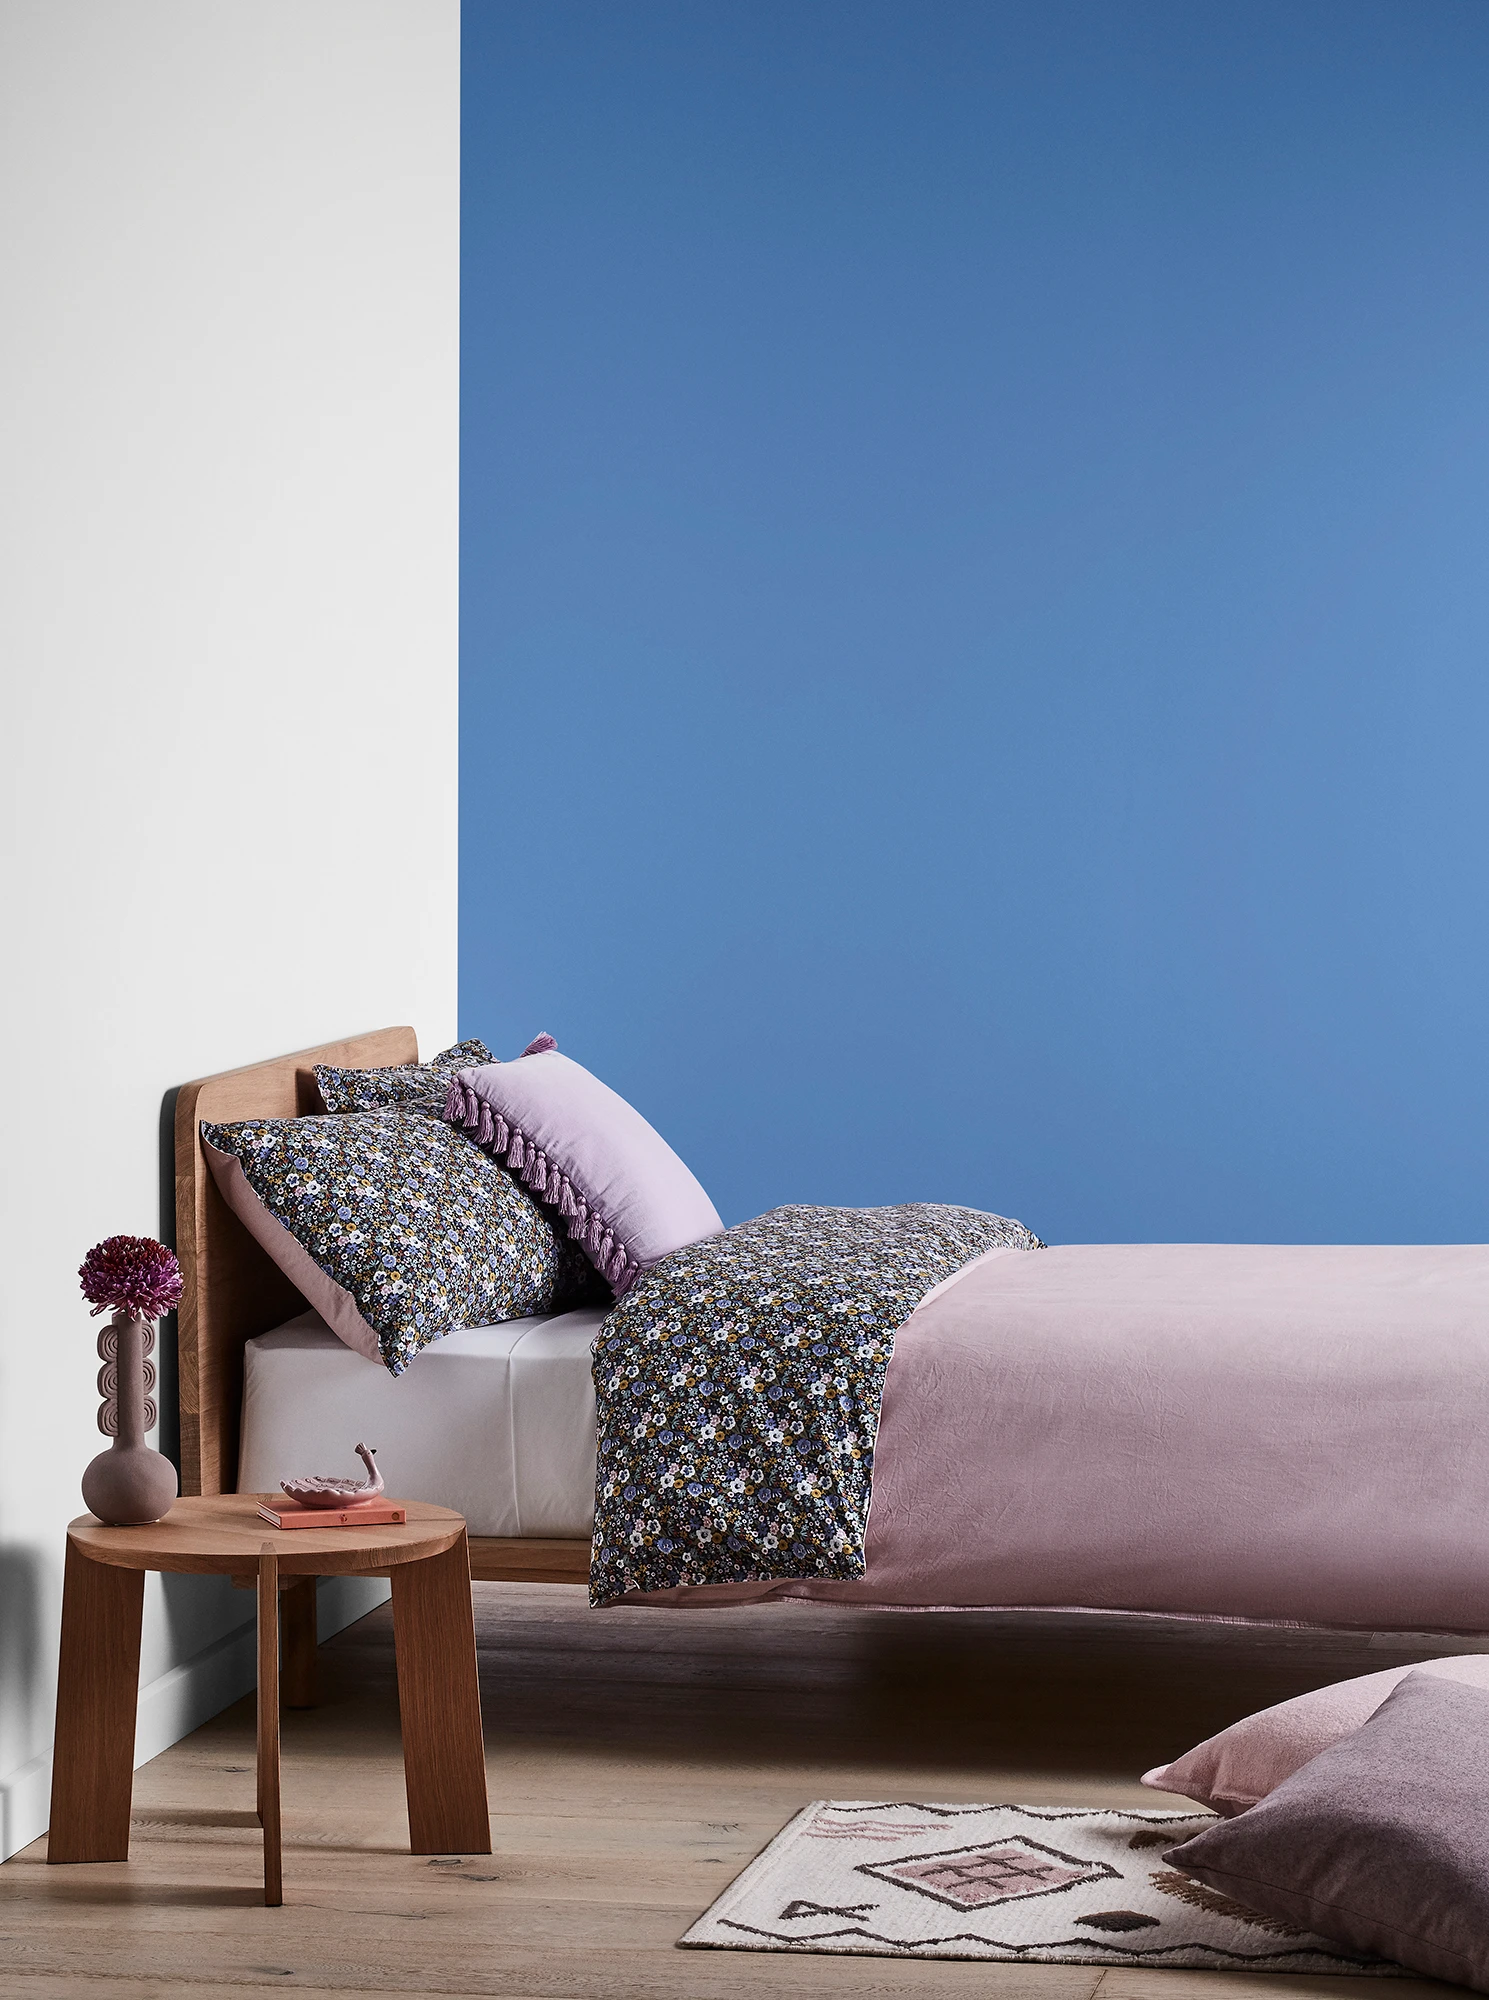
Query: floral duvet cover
x=738 y=1386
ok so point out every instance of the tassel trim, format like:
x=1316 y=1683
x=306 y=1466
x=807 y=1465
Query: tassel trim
x=471 y=1112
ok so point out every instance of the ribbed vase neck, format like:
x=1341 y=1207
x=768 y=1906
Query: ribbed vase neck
x=131 y=1378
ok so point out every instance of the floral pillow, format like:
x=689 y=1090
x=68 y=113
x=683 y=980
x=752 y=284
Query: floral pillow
x=393 y=1225
x=413 y=1086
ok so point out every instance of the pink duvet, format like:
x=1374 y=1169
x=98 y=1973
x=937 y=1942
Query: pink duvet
x=1223 y=1430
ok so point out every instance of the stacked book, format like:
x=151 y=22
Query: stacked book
x=379 y=1513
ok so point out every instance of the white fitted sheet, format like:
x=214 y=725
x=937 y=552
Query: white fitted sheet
x=495 y=1421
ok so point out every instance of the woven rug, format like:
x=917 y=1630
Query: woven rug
x=1038 y=1885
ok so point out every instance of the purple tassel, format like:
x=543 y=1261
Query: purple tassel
x=516 y=1153
x=539 y=1046
x=567 y=1207
x=503 y=1134
x=485 y=1129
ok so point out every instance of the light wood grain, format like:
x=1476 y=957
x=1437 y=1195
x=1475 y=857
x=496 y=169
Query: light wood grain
x=637 y=1759
x=528 y=1559
x=439 y=1702
x=97 y=1691
x=298 y=1640
x=220 y=1534
x=223 y=1534
x=268 y=1725
x=232 y=1290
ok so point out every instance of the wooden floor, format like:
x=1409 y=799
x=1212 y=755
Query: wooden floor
x=637 y=1760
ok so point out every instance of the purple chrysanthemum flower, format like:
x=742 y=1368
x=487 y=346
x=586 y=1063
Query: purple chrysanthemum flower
x=132 y=1274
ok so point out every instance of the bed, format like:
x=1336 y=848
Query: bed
x=233 y=1293
x=1294 y=1434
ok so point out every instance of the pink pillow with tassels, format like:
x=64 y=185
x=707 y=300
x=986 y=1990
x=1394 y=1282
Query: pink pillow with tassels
x=624 y=1195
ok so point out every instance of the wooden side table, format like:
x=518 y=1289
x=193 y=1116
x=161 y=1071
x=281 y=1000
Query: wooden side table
x=439 y=1701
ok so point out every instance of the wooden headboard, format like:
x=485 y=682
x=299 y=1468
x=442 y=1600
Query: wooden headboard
x=232 y=1291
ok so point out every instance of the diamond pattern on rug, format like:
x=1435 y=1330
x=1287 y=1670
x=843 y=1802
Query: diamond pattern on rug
x=975 y=1878
x=1037 y=1885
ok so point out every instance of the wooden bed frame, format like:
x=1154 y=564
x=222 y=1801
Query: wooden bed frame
x=233 y=1291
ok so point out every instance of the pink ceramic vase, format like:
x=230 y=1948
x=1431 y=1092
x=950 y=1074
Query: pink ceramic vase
x=129 y=1483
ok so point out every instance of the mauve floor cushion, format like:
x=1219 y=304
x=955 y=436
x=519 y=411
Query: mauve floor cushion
x=1381 y=1842
x=1231 y=1771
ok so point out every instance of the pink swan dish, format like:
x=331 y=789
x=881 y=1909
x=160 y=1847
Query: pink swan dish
x=320 y=1490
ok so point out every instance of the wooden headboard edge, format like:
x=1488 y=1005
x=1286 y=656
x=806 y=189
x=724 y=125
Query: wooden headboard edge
x=232 y=1291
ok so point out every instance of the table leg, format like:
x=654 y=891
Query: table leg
x=297 y=1623
x=97 y=1695
x=268 y=1723
x=439 y=1703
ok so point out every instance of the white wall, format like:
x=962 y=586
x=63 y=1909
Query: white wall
x=229 y=267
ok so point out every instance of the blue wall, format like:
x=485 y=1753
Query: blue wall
x=976 y=598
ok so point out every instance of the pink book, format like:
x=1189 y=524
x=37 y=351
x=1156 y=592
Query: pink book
x=374 y=1514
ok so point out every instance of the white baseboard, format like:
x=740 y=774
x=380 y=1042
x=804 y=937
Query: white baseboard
x=181 y=1700
x=25 y=1797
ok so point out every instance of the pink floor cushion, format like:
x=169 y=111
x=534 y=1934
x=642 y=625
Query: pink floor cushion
x=1231 y=1771
x=1380 y=1842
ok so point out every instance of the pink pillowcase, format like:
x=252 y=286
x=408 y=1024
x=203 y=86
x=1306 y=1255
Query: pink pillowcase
x=1231 y=1771
x=622 y=1193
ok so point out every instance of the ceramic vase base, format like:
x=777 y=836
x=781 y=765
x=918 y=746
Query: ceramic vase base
x=129 y=1485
